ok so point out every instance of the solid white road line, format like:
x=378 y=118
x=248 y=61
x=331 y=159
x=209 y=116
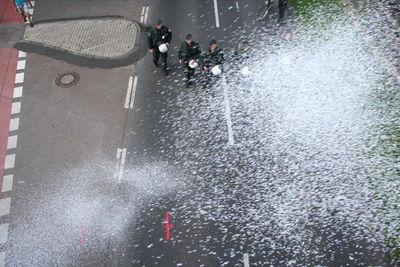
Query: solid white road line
x=146 y=14
x=21 y=54
x=21 y=65
x=246 y=260
x=216 y=13
x=128 y=92
x=12 y=141
x=228 y=115
x=16 y=108
x=7 y=183
x=132 y=99
x=3 y=233
x=18 y=92
x=9 y=162
x=121 y=165
x=5 y=206
x=19 y=77
x=14 y=124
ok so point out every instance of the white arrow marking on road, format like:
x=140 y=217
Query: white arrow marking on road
x=216 y=14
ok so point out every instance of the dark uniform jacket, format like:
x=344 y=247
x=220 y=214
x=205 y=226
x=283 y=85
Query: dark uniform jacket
x=157 y=37
x=188 y=52
x=213 y=58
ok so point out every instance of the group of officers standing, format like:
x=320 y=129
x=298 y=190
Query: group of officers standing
x=190 y=55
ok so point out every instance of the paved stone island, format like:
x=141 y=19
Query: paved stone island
x=106 y=38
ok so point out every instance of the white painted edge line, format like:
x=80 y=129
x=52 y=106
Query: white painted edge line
x=18 y=92
x=146 y=14
x=216 y=13
x=128 y=92
x=21 y=64
x=228 y=115
x=121 y=165
x=12 y=141
x=237 y=5
x=133 y=93
x=3 y=233
x=246 y=260
x=7 y=183
x=5 y=206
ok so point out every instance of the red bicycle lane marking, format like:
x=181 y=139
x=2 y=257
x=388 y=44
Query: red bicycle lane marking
x=8 y=66
x=168 y=226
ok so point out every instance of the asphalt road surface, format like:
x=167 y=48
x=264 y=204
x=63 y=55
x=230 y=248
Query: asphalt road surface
x=65 y=161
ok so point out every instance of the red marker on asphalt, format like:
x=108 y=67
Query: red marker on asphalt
x=82 y=235
x=167 y=227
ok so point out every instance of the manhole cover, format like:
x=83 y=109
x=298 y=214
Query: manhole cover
x=67 y=79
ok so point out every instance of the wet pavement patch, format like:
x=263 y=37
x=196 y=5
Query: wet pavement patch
x=67 y=79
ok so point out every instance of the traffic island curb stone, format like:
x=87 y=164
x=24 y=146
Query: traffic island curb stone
x=93 y=42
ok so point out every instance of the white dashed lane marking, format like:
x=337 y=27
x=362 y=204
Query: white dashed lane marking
x=18 y=92
x=19 y=78
x=16 y=108
x=14 y=124
x=12 y=141
x=21 y=65
x=5 y=206
x=21 y=54
x=9 y=162
x=3 y=233
x=7 y=183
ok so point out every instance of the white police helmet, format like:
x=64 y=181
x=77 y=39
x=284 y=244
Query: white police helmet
x=193 y=64
x=163 y=48
x=216 y=70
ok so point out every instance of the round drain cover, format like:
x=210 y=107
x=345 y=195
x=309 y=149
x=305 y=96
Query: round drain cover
x=67 y=79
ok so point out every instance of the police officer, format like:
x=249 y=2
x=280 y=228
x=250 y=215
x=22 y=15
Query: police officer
x=158 y=35
x=212 y=57
x=282 y=7
x=188 y=55
x=242 y=53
